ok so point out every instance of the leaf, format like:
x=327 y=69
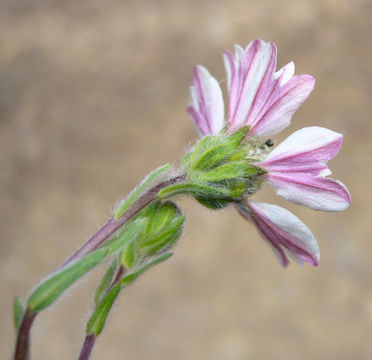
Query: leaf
x=139 y=189
x=98 y=319
x=194 y=189
x=18 y=312
x=106 y=281
x=54 y=286
x=128 y=279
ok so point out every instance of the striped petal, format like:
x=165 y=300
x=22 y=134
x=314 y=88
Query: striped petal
x=296 y=169
x=284 y=232
x=260 y=97
x=207 y=107
x=314 y=192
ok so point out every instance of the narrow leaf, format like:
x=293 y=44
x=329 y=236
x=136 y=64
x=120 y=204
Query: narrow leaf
x=128 y=279
x=106 y=281
x=97 y=320
x=18 y=312
x=139 y=189
x=54 y=286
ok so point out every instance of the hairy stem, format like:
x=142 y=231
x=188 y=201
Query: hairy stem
x=23 y=338
x=114 y=224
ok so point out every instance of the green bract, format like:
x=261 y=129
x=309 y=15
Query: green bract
x=218 y=170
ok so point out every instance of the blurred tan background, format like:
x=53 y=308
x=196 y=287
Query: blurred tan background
x=93 y=96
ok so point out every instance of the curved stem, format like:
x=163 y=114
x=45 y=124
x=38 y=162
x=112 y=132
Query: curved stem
x=114 y=224
x=87 y=347
x=23 y=337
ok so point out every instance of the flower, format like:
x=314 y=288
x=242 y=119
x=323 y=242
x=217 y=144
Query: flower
x=259 y=97
x=265 y=101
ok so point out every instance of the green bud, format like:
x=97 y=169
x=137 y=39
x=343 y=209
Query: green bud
x=54 y=286
x=128 y=256
x=164 y=240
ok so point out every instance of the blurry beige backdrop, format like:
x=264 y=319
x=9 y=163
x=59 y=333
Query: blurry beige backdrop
x=93 y=96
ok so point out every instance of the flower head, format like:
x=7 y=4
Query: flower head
x=263 y=101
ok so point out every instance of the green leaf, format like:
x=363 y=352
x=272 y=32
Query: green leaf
x=128 y=279
x=194 y=189
x=97 y=320
x=18 y=312
x=54 y=286
x=130 y=230
x=164 y=240
x=139 y=189
x=106 y=281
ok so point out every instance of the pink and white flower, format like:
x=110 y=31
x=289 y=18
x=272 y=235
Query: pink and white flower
x=265 y=100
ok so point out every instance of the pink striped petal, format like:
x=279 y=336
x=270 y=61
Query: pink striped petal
x=259 y=97
x=296 y=169
x=207 y=108
x=278 y=112
x=315 y=192
x=285 y=233
x=305 y=150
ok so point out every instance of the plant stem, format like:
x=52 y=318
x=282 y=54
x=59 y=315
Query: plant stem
x=87 y=347
x=114 y=224
x=23 y=337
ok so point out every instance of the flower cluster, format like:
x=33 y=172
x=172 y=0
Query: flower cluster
x=262 y=101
